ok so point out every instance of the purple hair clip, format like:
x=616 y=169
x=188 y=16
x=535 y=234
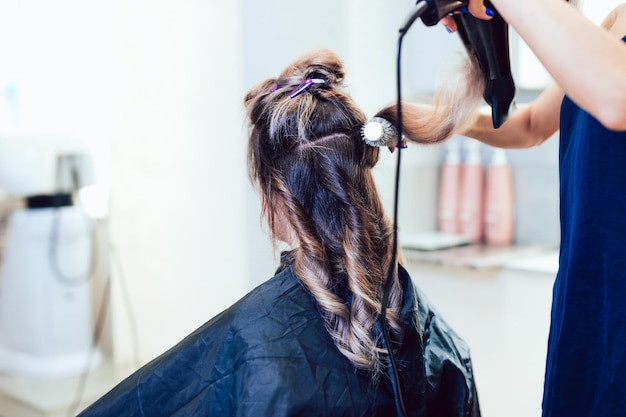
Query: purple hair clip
x=305 y=85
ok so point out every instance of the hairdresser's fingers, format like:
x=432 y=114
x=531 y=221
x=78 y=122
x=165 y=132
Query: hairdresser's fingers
x=449 y=23
x=479 y=10
x=393 y=147
x=403 y=145
x=475 y=7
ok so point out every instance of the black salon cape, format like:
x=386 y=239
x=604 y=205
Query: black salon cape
x=270 y=355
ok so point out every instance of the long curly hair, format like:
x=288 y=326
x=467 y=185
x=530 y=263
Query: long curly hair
x=314 y=174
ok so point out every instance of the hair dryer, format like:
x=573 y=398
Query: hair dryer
x=488 y=41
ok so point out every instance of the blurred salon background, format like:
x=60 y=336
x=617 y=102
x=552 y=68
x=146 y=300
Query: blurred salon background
x=127 y=219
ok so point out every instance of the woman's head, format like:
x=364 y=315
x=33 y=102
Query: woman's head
x=303 y=149
x=314 y=173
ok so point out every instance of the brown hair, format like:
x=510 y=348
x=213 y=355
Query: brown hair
x=314 y=173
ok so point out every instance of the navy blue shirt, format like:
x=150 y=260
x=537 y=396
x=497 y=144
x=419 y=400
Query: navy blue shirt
x=586 y=363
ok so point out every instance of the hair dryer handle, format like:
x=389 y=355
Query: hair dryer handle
x=488 y=41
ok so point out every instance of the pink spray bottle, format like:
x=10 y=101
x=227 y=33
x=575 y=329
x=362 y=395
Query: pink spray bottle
x=499 y=202
x=472 y=192
x=449 y=189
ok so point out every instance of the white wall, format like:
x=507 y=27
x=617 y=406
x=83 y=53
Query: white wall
x=178 y=200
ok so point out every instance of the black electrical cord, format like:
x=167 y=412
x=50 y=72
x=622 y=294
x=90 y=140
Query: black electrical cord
x=419 y=9
x=95 y=341
x=53 y=254
x=105 y=304
x=57 y=203
x=132 y=320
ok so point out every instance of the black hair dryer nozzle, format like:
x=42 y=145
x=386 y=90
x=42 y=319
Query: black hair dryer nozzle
x=488 y=41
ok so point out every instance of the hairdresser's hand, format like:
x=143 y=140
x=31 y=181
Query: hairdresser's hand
x=476 y=7
x=393 y=148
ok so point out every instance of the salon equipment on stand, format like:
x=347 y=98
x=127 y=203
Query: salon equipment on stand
x=46 y=269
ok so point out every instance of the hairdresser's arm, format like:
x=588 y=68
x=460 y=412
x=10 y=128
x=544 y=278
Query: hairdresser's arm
x=530 y=125
x=587 y=61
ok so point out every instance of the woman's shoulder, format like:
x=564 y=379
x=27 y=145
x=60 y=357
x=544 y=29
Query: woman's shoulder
x=218 y=347
x=262 y=307
x=205 y=368
x=280 y=296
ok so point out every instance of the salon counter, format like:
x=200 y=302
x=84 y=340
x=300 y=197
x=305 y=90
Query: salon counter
x=498 y=300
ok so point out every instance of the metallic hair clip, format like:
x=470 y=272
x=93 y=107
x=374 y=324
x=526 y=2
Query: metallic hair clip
x=305 y=85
